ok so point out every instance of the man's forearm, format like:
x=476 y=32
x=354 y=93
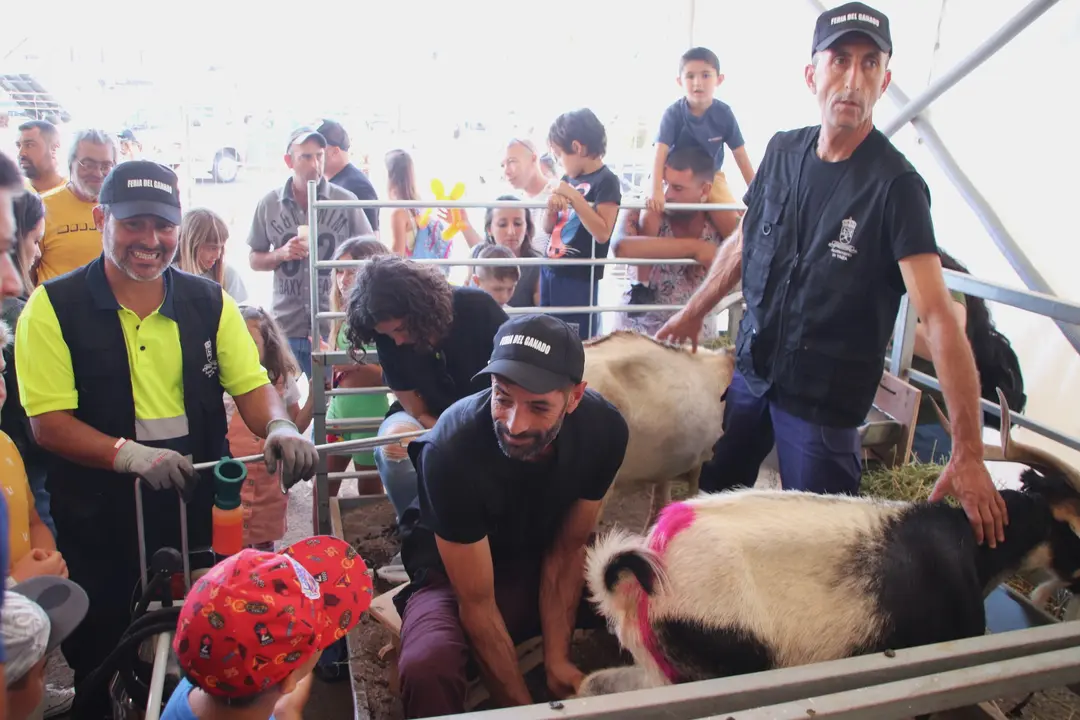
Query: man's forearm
x=72 y=439
x=261 y=406
x=651 y=248
x=954 y=364
x=264 y=261
x=495 y=653
x=561 y=582
x=723 y=275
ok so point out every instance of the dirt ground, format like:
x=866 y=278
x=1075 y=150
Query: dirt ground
x=371 y=530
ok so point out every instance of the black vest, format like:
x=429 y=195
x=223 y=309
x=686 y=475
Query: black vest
x=86 y=310
x=818 y=319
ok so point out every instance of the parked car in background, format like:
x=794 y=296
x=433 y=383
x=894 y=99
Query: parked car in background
x=207 y=145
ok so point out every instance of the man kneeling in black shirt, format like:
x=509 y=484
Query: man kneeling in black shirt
x=511 y=480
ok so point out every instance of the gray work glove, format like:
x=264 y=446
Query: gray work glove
x=297 y=455
x=160 y=468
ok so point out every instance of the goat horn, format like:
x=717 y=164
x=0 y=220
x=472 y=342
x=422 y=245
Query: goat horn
x=1019 y=452
x=1011 y=450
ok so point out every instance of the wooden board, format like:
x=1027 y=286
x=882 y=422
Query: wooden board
x=900 y=401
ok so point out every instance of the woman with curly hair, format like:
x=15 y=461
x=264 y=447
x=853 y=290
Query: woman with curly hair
x=432 y=340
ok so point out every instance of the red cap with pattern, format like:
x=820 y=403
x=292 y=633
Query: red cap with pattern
x=257 y=616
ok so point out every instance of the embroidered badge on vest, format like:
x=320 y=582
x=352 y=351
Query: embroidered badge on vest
x=842 y=248
x=210 y=369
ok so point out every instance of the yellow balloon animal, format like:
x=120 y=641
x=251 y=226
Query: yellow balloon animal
x=457 y=217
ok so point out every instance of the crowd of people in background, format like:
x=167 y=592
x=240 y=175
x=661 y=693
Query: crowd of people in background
x=100 y=235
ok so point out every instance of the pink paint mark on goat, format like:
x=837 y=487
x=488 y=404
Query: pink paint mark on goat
x=673 y=519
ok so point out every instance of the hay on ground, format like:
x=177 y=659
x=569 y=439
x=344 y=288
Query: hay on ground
x=909 y=483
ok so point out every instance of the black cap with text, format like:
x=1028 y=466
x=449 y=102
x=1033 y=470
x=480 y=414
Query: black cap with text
x=141 y=187
x=852 y=17
x=541 y=353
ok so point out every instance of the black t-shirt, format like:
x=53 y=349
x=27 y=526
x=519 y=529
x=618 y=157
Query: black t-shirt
x=355 y=181
x=469 y=489
x=526 y=284
x=599 y=187
x=908 y=227
x=446 y=375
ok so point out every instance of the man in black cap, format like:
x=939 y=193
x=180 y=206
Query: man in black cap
x=837 y=228
x=280 y=242
x=511 y=481
x=122 y=368
x=342 y=172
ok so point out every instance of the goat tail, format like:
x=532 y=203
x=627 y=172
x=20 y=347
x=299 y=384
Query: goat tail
x=615 y=554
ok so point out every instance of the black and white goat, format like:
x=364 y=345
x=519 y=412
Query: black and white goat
x=753 y=580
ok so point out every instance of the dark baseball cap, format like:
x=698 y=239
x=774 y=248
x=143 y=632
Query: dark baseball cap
x=302 y=135
x=541 y=353
x=141 y=187
x=853 y=17
x=334 y=134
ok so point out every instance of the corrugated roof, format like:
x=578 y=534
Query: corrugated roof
x=26 y=94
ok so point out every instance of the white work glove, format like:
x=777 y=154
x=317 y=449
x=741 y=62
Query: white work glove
x=160 y=468
x=296 y=453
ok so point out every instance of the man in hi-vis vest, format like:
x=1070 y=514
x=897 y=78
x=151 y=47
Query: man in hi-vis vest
x=122 y=368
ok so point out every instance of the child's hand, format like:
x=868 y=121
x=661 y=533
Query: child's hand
x=40 y=562
x=654 y=202
x=568 y=191
x=557 y=203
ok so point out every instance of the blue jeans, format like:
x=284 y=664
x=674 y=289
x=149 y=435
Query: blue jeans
x=301 y=349
x=931 y=444
x=398 y=475
x=35 y=473
x=562 y=291
x=815 y=458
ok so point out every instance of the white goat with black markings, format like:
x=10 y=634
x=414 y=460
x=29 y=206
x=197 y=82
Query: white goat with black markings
x=752 y=580
x=672 y=401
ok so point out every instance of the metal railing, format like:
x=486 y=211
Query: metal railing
x=1064 y=311
x=911 y=681
x=322 y=360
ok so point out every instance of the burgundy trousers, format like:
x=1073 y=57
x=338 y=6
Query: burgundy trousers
x=435 y=664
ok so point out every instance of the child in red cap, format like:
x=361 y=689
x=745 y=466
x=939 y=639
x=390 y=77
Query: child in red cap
x=253 y=628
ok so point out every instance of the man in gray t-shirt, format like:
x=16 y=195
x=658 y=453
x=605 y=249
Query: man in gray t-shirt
x=279 y=241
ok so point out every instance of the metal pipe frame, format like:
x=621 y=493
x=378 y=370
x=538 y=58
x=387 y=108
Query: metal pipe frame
x=594 y=309
x=913 y=108
x=518 y=262
x=874 y=677
x=513 y=204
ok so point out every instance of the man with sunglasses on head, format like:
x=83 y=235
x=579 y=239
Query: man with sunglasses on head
x=71 y=238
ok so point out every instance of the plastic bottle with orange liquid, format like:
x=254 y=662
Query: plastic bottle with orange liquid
x=228 y=515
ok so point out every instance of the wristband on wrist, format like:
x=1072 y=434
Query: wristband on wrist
x=116 y=449
x=280 y=421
